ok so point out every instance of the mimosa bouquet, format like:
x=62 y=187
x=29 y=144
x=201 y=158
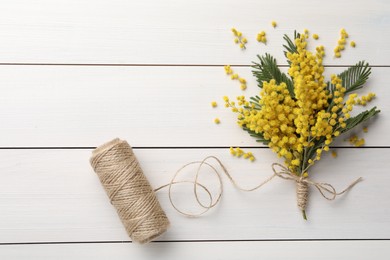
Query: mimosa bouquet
x=299 y=114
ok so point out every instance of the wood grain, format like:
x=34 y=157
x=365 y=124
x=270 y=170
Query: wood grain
x=176 y=32
x=54 y=195
x=74 y=74
x=321 y=250
x=62 y=106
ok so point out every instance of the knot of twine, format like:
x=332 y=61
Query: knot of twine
x=129 y=191
x=326 y=190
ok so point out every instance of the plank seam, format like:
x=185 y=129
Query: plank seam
x=160 y=65
x=197 y=241
x=170 y=147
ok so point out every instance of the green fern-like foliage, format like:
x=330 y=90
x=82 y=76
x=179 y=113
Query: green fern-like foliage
x=267 y=69
x=256 y=102
x=290 y=45
x=356 y=76
x=360 y=118
x=353 y=78
x=258 y=136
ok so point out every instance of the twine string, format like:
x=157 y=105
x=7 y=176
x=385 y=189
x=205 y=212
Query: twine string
x=326 y=190
x=213 y=200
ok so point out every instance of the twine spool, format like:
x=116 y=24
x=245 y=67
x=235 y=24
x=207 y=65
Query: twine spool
x=129 y=191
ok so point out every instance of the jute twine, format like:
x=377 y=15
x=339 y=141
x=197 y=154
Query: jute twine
x=135 y=201
x=326 y=190
x=129 y=191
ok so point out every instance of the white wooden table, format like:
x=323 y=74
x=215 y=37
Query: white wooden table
x=75 y=74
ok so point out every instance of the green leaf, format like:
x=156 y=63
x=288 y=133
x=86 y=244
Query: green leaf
x=268 y=69
x=255 y=101
x=290 y=47
x=356 y=76
x=360 y=118
x=259 y=136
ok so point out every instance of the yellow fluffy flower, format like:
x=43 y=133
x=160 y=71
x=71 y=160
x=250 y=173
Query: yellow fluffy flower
x=234 y=76
x=293 y=125
x=261 y=37
x=341 y=43
x=298 y=118
x=238 y=152
x=239 y=39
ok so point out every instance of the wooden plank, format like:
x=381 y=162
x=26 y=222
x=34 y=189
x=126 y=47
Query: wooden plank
x=174 y=32
x=53 y=195
x=62 y=106
x=321 y=250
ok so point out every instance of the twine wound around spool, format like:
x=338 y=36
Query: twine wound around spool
x=129 y=191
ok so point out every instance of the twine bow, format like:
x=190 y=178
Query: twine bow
x=326 y=190
x=322 y=187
